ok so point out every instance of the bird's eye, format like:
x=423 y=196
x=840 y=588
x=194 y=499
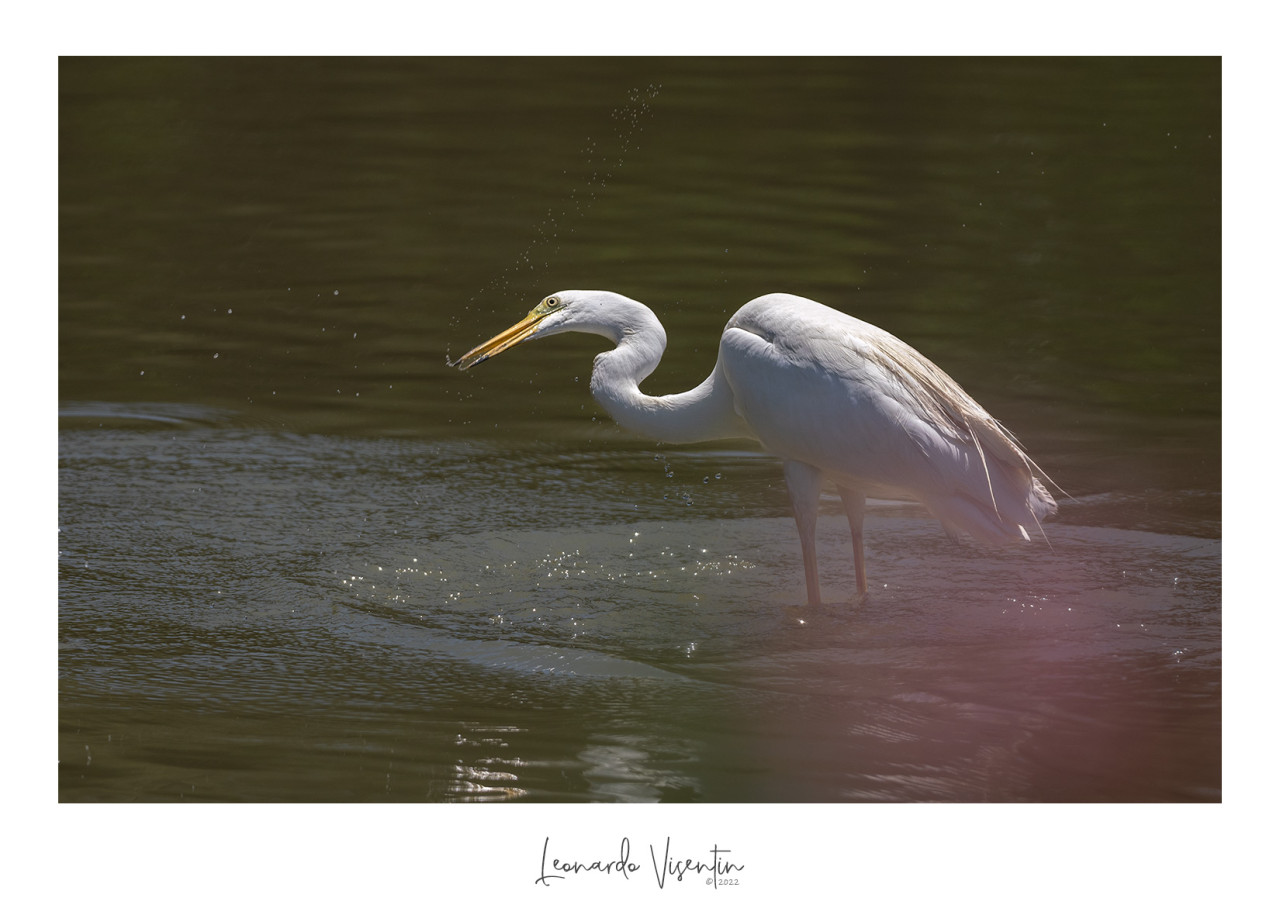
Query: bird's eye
x=553 y=301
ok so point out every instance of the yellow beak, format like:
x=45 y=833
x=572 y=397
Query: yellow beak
x=500 y=343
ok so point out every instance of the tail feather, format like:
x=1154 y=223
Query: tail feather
x=1012 y=518
x=1003 y=500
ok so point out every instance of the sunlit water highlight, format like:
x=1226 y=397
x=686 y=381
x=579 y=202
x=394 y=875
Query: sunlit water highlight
x=302 y=559
x=359 y=607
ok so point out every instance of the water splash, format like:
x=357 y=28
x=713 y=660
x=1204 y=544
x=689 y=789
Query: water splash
x=603 y=159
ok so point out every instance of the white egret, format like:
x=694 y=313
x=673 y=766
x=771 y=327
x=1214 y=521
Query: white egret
x=832 y=396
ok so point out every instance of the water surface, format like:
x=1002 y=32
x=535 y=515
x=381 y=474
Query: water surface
x=302 y=559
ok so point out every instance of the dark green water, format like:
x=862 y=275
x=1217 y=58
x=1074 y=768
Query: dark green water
x=303 y=559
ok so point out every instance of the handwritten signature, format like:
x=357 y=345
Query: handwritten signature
x=721 y=871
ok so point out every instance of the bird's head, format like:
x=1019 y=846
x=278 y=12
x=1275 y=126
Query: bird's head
x=602 y=312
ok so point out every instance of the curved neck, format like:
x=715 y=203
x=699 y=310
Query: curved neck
x=704 y=413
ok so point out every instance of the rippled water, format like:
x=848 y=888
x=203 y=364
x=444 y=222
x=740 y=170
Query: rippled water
x=358 y=599
x=302 y=559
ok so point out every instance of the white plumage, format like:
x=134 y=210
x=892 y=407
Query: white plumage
x=832 y=396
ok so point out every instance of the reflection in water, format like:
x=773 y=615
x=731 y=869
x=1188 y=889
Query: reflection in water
x=637 y=769
x=487 y=767
x=301 y=559
x=288 y=636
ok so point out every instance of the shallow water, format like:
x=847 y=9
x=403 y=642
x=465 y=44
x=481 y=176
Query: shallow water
x=302 y=559
x=256 y=615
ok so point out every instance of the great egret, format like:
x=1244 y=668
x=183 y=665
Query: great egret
x=832 y=396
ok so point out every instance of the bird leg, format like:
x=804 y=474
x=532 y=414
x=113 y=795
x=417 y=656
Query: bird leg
x=855 y=504
x=804 y=484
